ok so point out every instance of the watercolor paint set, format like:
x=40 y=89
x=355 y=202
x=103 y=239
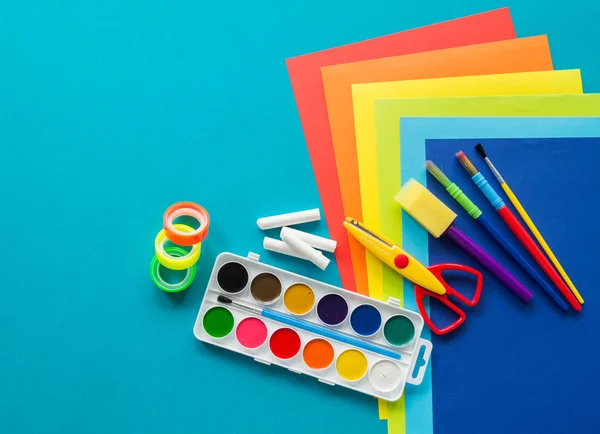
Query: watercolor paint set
x=312 y=328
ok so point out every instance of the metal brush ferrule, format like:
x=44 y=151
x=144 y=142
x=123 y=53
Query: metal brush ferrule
x=494 y=171
x=246 y=307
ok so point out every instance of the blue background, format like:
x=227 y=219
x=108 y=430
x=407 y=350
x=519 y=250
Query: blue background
x=110 y=112
x=515 y=367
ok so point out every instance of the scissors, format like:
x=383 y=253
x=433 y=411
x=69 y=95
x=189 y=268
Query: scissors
x=428 y=281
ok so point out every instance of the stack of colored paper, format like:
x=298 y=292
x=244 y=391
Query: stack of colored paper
x=358 y=103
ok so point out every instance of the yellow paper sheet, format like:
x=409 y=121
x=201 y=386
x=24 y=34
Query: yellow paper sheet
x=364 y=96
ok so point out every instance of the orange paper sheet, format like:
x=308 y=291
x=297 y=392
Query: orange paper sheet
x=517 y=55
x=305 y=76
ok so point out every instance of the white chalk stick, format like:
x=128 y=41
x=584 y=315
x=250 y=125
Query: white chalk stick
x=281 y=247
x=315 y=241
x=307 y=251
x=293 y=218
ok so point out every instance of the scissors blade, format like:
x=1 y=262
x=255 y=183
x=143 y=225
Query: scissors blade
x=368 y=232
x=374 y=243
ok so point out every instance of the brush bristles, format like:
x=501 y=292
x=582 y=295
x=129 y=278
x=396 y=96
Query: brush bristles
x=480 y=150
x=437 y=173
x=466 y=163
x=223 y=299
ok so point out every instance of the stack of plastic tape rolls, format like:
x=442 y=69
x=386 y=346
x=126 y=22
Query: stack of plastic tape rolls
x=176 y=257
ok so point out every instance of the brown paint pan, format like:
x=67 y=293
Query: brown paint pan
x=266 y=288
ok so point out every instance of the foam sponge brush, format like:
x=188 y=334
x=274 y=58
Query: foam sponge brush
x=424 y=207
x=438 y=219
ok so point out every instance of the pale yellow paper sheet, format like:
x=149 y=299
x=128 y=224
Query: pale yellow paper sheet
x=388 y=124
x=364 y=96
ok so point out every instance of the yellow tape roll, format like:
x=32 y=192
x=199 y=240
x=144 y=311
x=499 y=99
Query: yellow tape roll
x=173 y=262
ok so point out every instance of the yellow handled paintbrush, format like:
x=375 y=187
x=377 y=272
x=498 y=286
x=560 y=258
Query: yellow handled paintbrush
x=536 y=233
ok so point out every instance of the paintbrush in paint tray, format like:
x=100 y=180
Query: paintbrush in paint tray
x=295 y=322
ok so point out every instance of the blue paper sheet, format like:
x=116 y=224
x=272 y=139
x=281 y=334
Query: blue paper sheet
x=511 y=367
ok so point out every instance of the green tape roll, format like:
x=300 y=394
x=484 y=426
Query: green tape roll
x=172 y=287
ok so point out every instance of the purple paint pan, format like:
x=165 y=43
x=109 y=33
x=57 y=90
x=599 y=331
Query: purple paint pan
x=332 y=309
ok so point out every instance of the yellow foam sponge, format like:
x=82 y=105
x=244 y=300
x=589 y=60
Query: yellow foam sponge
x=424 y=207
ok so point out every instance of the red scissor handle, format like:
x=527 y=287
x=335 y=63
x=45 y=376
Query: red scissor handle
x=437 y=271
x=421 y=293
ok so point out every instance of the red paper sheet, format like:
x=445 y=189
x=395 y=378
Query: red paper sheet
x=305 y=76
